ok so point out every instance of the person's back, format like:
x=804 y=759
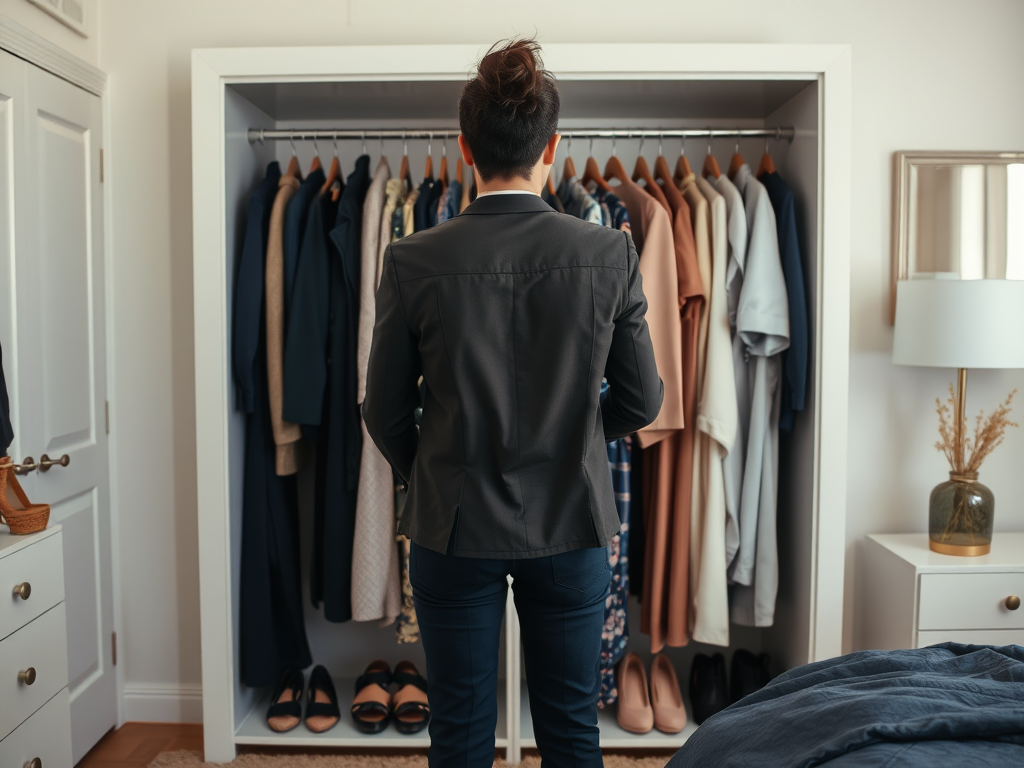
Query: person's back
x=512 y=314
x=514 y=309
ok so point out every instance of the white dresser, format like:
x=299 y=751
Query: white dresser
x=35 y=711
x=915 y=597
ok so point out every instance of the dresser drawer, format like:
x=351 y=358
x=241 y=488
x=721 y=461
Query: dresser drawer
x=46 y=735
x=41 y=566
x=970 y=601
x=42 y=646
x=971 y=637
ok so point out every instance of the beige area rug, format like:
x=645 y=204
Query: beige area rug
x=194 y=760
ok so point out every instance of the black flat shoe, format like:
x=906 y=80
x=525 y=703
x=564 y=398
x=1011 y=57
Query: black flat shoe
x=748 y=673
x=285 y=711
x=410 y=708
x=371 y=707
x=709 y=693
x=322 y=712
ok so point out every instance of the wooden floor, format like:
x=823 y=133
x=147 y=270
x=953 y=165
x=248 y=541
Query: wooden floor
x=136 y=745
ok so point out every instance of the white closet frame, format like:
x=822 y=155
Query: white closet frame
x=213 y=70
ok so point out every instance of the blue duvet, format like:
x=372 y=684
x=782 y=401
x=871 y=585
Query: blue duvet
x=948 y=706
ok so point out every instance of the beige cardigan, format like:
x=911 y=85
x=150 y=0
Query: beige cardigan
x=286 y=434
x=376 y=584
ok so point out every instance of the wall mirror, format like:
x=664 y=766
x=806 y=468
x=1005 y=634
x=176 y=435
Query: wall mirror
x=957 y=215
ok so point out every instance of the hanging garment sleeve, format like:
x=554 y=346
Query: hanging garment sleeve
x=305 y=352
x=392 y=392
x=634 y=399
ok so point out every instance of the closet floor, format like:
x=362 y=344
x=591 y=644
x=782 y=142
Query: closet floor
x=136 y=745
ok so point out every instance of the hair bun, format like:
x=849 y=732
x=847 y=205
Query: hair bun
x=513 y=75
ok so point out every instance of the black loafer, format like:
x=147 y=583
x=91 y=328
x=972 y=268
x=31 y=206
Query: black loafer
x=709 y=693
x=748 y=673
x=322 y=712
x=285 y=711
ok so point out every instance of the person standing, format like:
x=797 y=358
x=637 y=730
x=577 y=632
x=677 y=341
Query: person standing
x=512 y=314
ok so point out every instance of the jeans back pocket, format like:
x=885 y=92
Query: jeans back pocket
x=579 y=569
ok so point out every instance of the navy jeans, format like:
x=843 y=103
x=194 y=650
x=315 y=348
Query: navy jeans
x=460 y=604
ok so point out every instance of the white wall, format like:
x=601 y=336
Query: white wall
x=927 y=75
x=44 y=25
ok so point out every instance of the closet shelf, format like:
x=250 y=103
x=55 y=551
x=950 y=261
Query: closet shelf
x=255 y=731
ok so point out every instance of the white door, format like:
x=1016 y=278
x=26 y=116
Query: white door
x=61 y=370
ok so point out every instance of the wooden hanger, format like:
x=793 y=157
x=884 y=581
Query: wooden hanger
x=293 y=164
x=568 y=167
x=642 y=173
x=736 y=161
x=315 y=165
x=767 y=165
x=710 y=164
x=428 y=172
x=442 y=173
x=683 y=168
x=334 y=174
x=592 y=173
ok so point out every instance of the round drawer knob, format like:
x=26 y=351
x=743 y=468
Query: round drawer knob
x=23 y=590
x=35 y=762
x=27 y=676
x=1013 y=602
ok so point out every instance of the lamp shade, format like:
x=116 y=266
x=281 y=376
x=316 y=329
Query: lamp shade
x=960 y=323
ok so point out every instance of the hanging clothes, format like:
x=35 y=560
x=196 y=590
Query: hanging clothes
x=425 y=209
x=294 y=228
x=732 y=467
x=637 y=534
x=576 y=201
x=286 y=434
x=6 y=428
x=394 y=199
x=376 y=583
x=448 y=205
x=409 y=214
x=652 y=233
x=613 y=210
x=762 y=323
x=615 y=634
x=692 y=272
x=794 y=358
x=552 y=199
x=716 y=424
x=272 y=630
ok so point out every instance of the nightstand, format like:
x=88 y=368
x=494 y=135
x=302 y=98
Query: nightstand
x=916 y=597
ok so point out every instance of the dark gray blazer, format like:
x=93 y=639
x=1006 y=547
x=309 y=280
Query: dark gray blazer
x=512 y=314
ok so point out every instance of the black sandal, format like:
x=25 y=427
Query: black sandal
x=371 y=709
x=410 y=708
x=322 y=712
x=285 y=711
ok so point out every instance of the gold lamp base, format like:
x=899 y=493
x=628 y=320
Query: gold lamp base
x=960 y=550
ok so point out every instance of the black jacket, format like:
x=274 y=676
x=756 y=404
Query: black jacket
x=512 y=314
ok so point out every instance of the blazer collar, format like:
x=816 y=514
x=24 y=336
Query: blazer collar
x=492 y=204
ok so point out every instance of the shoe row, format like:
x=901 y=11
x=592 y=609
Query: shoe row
x=709 y=691
x=382 y=696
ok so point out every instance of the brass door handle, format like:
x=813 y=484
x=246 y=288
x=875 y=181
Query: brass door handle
x=26 y=466
x=45 y=462
x=27 y=676
x=1013 y=602
x=35 y=762
x=23 y=590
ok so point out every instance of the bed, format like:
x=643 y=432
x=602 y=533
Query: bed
x=946 y=706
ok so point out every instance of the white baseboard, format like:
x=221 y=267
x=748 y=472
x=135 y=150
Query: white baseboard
x=148 y=703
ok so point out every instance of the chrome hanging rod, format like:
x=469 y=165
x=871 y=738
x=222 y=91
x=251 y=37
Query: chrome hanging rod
x=261 y=135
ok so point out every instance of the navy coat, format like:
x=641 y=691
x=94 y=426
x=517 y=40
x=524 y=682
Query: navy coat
x=272 y=632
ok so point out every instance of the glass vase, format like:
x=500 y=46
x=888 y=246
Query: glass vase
x=960 y=516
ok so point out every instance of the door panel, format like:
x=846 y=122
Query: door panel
x=62 y=366
x=65 y=334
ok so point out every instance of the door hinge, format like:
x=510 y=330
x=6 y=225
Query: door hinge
x=106 y=409
x=113 y=646
x=101 y=165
